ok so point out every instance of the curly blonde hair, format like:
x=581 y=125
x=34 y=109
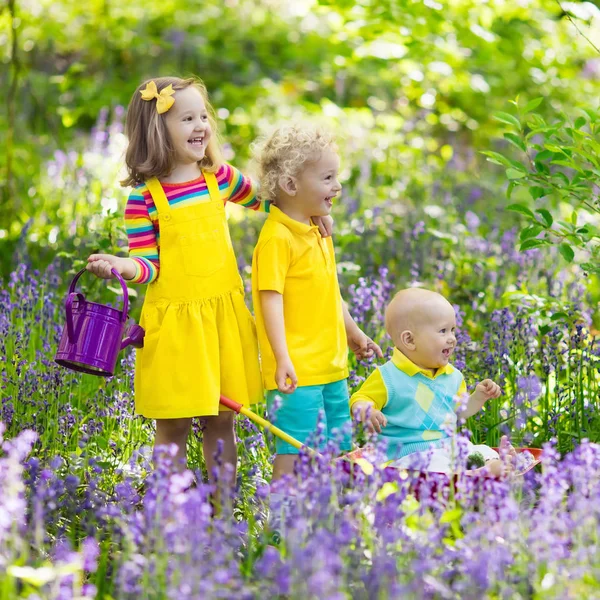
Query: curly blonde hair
x=285 y=152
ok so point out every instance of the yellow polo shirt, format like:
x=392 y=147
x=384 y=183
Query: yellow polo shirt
x=293 y=259
x=373 y=389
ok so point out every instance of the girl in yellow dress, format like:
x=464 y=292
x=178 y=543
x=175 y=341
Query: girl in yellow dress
x=200 y=338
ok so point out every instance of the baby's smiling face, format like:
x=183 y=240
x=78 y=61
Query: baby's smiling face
x=422 y=325
x=435 y=337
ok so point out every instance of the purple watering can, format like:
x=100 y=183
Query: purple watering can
x=93 y=335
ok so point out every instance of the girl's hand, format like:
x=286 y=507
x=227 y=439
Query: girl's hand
x=101 y=264
x=363 y=346
x=364 y=412
x=325 y=225
x=488 y=389
x=285 y=371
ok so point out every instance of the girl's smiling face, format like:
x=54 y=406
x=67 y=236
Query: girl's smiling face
x=188 y=126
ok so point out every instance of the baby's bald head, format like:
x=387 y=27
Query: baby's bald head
x=413 y=308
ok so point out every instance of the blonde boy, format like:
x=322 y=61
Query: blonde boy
x=304 y=327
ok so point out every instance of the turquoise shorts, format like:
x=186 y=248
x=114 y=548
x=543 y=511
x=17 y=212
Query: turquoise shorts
x=298 y=413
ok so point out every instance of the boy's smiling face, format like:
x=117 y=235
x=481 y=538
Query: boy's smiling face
x=317 y=185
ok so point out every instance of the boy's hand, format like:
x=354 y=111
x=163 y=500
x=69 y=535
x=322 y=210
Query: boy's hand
x=366 y=413
x=488 y=389
x=101 y=265
x=325 y=225
x=285 y=371
x=362 y=345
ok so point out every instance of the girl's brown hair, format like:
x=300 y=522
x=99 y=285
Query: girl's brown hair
x=150 y=152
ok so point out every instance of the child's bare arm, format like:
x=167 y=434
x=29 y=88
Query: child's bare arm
x=271 y=303
x=484 y=391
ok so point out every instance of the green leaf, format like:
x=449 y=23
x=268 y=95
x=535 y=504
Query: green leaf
x=515 y=140
x=562 y=177
x=507 y=118
x=450 y=515
x=518 y=165
x=514 y=174
x=532 y=105
x=570 y=164
x=496 y=158
x=509 y=190
x=566 y=252
x=537 y=192
x=533 y=243
x=537 y=123
x=558 y=315
x=520 y=208
x=544 y=329
x=531 y=232
x=543 y=156
x=546 y=216
x=580 y=122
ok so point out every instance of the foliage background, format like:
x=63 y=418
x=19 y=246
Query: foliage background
x=410 y=86
x=413 y=89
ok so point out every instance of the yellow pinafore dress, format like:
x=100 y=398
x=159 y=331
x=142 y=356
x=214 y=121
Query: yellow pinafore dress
x=200 y=337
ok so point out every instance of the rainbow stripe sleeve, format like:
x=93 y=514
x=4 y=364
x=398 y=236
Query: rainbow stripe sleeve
x=242 y=190
x=143 y=237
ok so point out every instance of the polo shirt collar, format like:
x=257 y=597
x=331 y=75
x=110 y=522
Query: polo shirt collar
x=408 y=366
x=278 y=215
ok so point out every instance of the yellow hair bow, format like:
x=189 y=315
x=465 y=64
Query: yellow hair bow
x=164 y=101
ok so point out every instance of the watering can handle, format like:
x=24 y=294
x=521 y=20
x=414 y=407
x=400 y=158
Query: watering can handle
x=123 y=287
x=69 y=310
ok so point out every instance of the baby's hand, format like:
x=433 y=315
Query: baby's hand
x=366 y=413
x=363 y=346
x=101 y=265
x=505 y=465
x=285 y=371
x=488 y=389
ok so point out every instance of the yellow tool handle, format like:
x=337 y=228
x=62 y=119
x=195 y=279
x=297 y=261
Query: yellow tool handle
x=270 y=427
x=282 y=435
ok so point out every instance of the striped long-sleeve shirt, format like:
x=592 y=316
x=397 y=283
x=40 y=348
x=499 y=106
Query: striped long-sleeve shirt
x=141 y=216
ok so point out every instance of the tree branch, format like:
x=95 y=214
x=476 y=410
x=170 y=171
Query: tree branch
x=578 y=30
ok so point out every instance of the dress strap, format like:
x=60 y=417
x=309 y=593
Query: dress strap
x=213 y=186
x=158 y=195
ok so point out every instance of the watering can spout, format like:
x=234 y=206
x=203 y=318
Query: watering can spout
x=134 y=338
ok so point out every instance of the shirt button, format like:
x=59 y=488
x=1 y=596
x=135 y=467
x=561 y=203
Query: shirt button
x=167 y=217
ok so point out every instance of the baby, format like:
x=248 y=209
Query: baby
x=411 y=400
